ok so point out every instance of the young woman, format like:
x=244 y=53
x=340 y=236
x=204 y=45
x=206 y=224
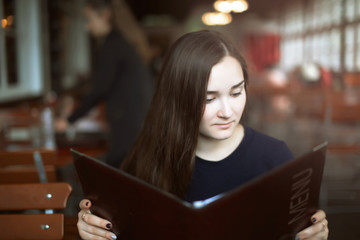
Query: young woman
x=193 y=144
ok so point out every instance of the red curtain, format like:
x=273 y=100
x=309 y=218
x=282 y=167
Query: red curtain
x=263 y=50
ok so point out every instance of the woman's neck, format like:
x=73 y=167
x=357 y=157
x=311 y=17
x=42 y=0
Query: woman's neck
x=216 y=150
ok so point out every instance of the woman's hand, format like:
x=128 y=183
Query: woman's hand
x=61 y=125
x=318 y=231
x=91 y=226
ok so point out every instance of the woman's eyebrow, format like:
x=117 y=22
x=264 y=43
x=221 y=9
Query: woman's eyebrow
x=238 y=85
x=233 y=87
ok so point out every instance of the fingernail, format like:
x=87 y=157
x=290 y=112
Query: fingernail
x=313 y=219
x=108 y=226
x=113 y=237
x=87 y=204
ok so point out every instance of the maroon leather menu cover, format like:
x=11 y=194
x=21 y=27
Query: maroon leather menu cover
x=274 y=206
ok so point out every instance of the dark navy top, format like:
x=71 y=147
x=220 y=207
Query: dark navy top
x=256 y=154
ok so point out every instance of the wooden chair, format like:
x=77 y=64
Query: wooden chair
x=19 y=128
x=342 y=129
x=27 y=166
x=37 y=196
x=342 y=121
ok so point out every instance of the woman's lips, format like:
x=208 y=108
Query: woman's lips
x=224 y=125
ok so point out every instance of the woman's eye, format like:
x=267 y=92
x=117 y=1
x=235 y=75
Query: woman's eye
x=209 y=100
x=236 y=94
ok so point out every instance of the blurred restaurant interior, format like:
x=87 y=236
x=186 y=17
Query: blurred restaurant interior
x=304 y=88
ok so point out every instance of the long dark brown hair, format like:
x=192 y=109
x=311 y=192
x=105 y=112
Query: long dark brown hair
x=164 y=152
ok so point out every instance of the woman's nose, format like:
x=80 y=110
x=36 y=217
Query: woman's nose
x=225 y=110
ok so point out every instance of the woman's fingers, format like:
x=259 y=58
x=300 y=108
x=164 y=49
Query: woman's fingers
x=318 y=231
x=317 y=228
x=93 y=220
x=320 y=235
x=85 y=204
x=88 y=236
x=87 y=231
x=91 y=226
x=318 y=216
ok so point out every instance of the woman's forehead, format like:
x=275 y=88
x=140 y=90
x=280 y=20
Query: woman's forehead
x=225 y=74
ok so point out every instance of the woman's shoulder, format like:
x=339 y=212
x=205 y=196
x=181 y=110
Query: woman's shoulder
x=263 y=146
x=261 y=138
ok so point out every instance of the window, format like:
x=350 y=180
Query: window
x=325 y=47
x=299 y=51
x=349 y=48
x=357 y=11
x=358 y=48
x=335 y=49
x=350 y=10
x=21 y=65
x=293 y=20
x=326 y=13
x=316 y=48
x=308 y=49
x=321 y=16
x=336 y=11
x=322 y=34
x=309 y=16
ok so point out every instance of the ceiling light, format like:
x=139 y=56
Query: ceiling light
x=4 y=23
x=216 y=18
x=227 y=6
x=239 y=6
x=222 y=6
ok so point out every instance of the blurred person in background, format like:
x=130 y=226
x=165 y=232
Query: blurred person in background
x=119 y=78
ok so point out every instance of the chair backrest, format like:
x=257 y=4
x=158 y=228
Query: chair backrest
x=343 y=106
x=27 y=166
x=19 y=128
x=38 y=196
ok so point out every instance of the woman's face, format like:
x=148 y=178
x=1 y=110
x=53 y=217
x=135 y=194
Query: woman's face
x=225 y=100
